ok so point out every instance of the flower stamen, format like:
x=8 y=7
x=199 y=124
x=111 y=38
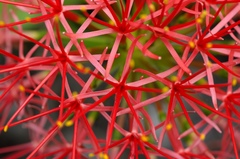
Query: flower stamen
x=144 y=138
x=169 y=126
x=5 y=129
x=74 y=94
x=152 y=7
x=234 y=82
x=28 y=19
x=191 y=44
x=2 y=23
x=21 y=88
x=202 y=136
x=209 y=45
x=103 y=156
x=68 y=123
x=59 y=124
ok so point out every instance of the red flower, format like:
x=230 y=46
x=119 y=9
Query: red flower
x=148 y=73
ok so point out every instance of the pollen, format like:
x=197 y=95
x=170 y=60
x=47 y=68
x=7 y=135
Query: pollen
x=86 y=70
x=74 y=94
x=56 y=18
x=68 y=123
x=59 y=124
x=209 y=45
x=2 y=23
x=80 y=66
x=202 y=136
x=234 y=82
x=203 y=14
x=28 y=19
x=169 y=126
x=191 y=44
x=144 y=138
x=21 y=88
x=5 y=129
x=91 y=120
x=143 y=16
x=165 y=1
x=174 y=78
x=103 y=156
x=166 y=28
x=152 y=7
x=132 y=64
x=199 y=20
x=165 y=89
x=83 y=9
x=209 y=64
x=91 y=155
x=111 y=22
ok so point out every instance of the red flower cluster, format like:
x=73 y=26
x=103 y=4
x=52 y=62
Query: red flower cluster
x=161 y=75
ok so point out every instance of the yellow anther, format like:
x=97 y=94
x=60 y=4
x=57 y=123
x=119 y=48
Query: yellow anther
x=203 y=14
x=166 y=28
x=28 y=19
x=79 y=66
x=152 y=7
x=5 y=129
x=209 y=45
x=111 y=22
x=143 y=16
x=91 y=155
x=209 y=64
x=103 y=156
x=82 y=68
x=191 y=44
x=174 y=78
x=21 y=88
x=165 y=1
x=165 y=89
x=169 y=126
x=91 y=120
x=132 y=64
x=86 y=70
x=144 y=138
x=56 y=18
x=199 y=20
x=2 y=23
x=83 y=9
x=234 y=82
x=74 y=94
x=69 y=123
x=202 y=136
x=59 y=124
